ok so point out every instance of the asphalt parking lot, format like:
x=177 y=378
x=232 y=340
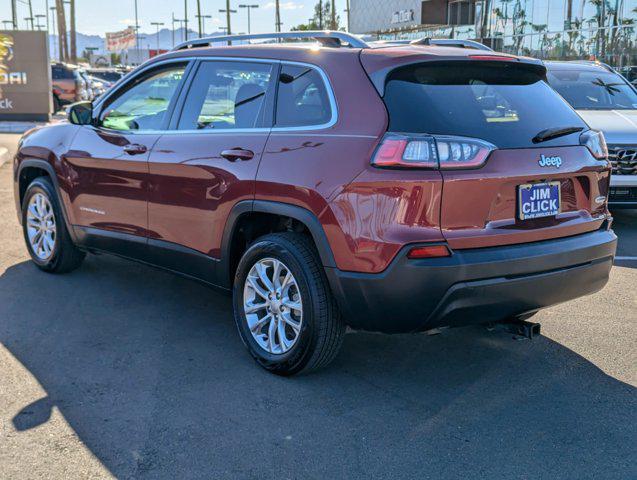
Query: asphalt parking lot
x=121 y=370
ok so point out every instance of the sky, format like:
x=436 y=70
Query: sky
x=95 y=17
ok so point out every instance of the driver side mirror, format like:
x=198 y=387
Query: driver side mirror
x=80 y=113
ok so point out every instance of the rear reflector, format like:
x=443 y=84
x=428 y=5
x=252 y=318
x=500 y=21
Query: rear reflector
x=429 y=251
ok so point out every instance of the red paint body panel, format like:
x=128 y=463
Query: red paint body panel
x=381 y=211
x=193 y=188
x=479 y=207
x=109 y=186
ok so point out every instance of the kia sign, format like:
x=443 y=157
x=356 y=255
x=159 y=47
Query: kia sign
x=25 y=76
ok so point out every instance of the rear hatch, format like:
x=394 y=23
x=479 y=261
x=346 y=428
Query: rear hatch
x=518 y=164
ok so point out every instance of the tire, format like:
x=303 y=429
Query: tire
x=319 y=325
x=64 y=256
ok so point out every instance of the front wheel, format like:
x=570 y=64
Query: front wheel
x=283 y=306
x=45 y=233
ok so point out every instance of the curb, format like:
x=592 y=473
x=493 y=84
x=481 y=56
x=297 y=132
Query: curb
x=4 y=155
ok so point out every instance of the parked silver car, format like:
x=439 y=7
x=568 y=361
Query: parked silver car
x=607 y=102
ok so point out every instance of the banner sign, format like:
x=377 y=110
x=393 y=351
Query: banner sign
x=25 y=76
x=118 y=41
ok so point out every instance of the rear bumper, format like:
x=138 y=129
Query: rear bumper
x=474 y=285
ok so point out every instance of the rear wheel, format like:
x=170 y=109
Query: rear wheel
x=283 y=306
x=45 y=233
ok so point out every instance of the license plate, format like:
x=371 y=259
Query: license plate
x=538 y=200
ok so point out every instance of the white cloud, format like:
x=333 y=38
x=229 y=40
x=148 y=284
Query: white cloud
x=127 y=21
x=285 y=5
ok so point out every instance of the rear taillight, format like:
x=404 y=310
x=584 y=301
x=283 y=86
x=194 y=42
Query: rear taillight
x=595 y=142
x=430 y=151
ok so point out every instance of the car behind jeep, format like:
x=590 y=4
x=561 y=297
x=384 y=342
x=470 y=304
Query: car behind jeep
x=386 y=188
x=608 y=103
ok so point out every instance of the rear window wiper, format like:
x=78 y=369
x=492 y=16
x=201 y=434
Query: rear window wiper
x=551 y=133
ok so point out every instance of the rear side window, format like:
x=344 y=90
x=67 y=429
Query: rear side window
x=302 y=100
x=226 y=95
x=499 y=102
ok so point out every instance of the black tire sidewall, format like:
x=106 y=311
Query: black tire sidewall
x=295 y=359
x=40 y=185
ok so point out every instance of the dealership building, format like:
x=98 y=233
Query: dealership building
x=564 y=29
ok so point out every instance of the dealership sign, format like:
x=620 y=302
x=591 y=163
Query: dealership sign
x=402 y=16
x=25 y=76
x=118 y=41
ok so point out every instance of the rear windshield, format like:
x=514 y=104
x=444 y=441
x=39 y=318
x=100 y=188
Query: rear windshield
x=593 y=90
x=498 y=102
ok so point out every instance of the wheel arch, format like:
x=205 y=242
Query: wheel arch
x=259 y=209
x=29 y=170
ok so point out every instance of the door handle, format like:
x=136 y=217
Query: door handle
x=135 y=149
x=237 y=154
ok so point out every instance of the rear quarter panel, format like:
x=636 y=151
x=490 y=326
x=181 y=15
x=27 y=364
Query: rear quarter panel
x=309 y=168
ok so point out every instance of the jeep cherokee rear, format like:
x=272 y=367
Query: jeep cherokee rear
x=391 y=189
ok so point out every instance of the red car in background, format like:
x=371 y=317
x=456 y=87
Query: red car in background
x=381 y=187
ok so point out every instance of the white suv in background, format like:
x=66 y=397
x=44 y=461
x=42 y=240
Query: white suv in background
x=607 y=102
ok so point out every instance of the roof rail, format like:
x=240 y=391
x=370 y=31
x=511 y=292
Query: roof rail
x=452 y=42
x=326 y=37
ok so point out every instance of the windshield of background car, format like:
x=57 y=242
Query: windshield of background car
x=588 y=89
x=500 y=102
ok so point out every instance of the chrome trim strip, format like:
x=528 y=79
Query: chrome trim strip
x=338 y=135
x=142 y=69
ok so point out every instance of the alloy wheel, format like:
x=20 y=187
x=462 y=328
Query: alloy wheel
x=41 y=228
x=272 y=305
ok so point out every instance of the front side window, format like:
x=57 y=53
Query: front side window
x=144 y=105
x=226 y=95
x=593 y=90
x=302 y=100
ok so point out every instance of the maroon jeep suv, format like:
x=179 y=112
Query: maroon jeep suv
x=392 y=188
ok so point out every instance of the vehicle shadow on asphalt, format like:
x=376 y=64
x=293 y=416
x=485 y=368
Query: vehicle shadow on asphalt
x=149 y=371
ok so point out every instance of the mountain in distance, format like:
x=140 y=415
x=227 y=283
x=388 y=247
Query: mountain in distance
x=146 y=40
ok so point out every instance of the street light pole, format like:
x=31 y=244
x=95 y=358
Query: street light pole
x=7 y=22
x=173 y=29
x=14 y=14
x=38 y=17
x=277 y=17
x=248 y=7
x=199 y=17
x=136 y=29
x=29 y=19
x=186 y=19
x=48 y=26
x=157 y=24
x=55 y=42
x=228 y=11
x=202 y=23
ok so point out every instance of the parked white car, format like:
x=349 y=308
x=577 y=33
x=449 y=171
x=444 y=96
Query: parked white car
x=607 y=102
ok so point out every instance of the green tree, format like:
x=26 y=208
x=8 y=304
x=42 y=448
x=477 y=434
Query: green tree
x=322 y=18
